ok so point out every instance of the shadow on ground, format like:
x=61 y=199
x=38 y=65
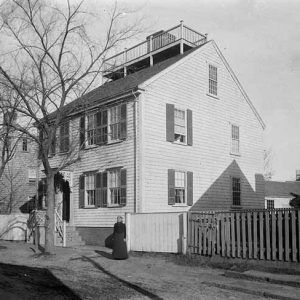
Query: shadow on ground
x=22 y=282
x=128 y=284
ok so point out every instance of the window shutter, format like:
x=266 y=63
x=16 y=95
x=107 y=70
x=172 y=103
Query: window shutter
x=189 y=114
x=98 y=181
x=123 y=187
x=104 y=126
x=81 y=191
x=123 y=122
x=104 y=189
x=98 y=128
x=82 y=132
x=189 y=183
x=170 y=122
x=171 y=187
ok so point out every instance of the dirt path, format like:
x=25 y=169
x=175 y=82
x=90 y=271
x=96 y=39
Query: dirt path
x=90 y=273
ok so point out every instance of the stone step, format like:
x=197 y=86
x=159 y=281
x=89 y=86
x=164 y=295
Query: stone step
x=72 y=238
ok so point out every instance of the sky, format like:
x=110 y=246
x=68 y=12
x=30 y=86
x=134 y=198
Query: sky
x=261 y=42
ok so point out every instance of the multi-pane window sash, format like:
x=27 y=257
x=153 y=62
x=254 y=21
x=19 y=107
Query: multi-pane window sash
x=91 y=130
x=270 y=204
x=179 y=187
x=213 y=80
x=25 y=144
x=235 y=139
x=90 y=189
x=115 y=186
x=118 y=122
x=179 y=125
x=236 y=191
x=64 y=137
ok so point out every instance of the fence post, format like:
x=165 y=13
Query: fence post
x=184 y=232
x=181 y=37
x=128 y=230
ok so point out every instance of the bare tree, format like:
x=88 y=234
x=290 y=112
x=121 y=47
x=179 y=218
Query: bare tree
x=52 y=60
x=8 y=136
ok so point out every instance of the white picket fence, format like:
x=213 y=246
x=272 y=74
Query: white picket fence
x=157 y=232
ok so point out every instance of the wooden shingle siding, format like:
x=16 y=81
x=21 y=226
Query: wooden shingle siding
x=209 y=158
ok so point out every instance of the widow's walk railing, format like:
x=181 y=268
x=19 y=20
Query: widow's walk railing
x=154 y=43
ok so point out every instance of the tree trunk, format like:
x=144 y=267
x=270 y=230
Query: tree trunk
x=49 y=222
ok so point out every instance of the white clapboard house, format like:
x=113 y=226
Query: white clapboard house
x=171 y=130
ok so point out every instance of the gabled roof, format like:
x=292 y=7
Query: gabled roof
x=132 y=82
x=282 y=189
x=121 y=86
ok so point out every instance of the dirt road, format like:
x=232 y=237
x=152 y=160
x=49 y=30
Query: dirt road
x=90 y=273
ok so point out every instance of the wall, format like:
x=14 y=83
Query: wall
x=100 y=158
x=279 y=202
x=13 y=227
x=15 y=186
x=210 y=160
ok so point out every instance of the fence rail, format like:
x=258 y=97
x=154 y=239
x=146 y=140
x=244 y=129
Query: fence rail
x=254 y=234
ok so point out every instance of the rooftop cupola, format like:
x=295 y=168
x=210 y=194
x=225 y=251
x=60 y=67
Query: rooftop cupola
x=157 y=47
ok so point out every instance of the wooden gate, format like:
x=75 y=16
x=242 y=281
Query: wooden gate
x=255 y=234
x=157 y=232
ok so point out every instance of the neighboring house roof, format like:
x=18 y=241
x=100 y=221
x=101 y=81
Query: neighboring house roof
x=282 y=189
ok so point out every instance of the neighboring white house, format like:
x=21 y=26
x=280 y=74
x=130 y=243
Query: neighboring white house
x=278 y=193
x=171 y=130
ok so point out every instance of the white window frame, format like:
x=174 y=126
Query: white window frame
x=117 y=189
x=32 y=174
x=214 y=65
x=233 y=141
x=184 y=203
x=216 y=81
x=185 y=125
x=86 y=190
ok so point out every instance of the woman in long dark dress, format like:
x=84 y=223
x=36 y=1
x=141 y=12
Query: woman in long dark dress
x=119 y=244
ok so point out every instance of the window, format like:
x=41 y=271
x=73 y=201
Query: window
x=213 y=80
x=94 y=127
x=235 y=139
x=118 y=122
x=180 y=187
x=64 y=137
x=24 y=144
x=90 y=190
x=270 y=204
x=179 y=125
x=236 y=191
x=117 y=186
x=32 y=174
x=96 y=188
x=91 y=129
